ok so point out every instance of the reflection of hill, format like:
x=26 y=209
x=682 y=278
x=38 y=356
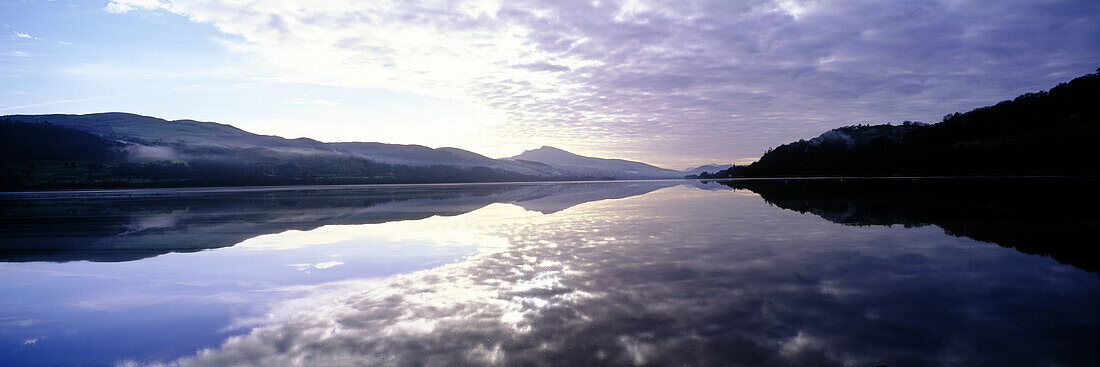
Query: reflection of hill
x=131 y=225
x=549 y=199
x=1053 y=217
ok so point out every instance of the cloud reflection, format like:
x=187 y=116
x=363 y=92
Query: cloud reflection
x=436 y=231
x=719 y=278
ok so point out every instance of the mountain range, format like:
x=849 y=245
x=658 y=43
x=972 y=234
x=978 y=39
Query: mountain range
x=123 y=149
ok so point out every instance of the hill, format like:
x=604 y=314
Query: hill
x=127 y=150
x=199 y=135
x=1045 y=133
x=708 y=168
x=33 y=142
x=44 y=155
x=590 y=166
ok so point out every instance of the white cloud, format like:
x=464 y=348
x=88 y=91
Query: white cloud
x=318 y=266
x=26 y=36
x=124 y=6
x=21 y=54
x=327 y=264
x=313 y=101
x=117 y=8
x=48 y=103
x=794 y=8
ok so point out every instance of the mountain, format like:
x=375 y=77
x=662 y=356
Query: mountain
x=589 y=166
x=127 y=150
x=35 y=142
x=191 y=134
x=708 y=168
x=1046 y=133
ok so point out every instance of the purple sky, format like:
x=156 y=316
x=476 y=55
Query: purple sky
x=673 y=83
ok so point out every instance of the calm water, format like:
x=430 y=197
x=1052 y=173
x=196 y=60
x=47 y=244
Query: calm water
x=798 y=273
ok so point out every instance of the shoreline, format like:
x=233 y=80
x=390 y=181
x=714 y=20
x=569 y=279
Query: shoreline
x=261 y=188
x=254 y=188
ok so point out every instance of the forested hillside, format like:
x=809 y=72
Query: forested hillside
x=1046 y=133
x=43 y=155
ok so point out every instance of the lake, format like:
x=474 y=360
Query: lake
x=898 y=272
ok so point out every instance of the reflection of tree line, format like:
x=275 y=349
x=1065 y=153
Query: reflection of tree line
x=121 y=226
x=134 y=227
x=1052 y=217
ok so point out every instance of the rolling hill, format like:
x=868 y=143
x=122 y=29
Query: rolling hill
x=125 y=150
x=1044 y=133
x=590 y=166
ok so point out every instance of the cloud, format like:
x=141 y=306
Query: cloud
x=19 y=322
x=313 y=101
x=542 y=66
x=49 y=103
x=114 y=71
x=125 y=6
x=25 y=36
x=21 y=54
x=327 y=264
x=117 y=7
x=711 y=80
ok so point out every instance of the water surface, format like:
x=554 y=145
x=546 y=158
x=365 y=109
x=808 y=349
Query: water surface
x=616 y=273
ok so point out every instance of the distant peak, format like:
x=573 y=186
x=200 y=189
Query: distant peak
x=111 y=113
x=546 y=149
x=541 y=154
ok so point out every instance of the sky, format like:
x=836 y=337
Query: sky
x=672 y=83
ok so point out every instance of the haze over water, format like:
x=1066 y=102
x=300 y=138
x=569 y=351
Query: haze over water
x=609 y=273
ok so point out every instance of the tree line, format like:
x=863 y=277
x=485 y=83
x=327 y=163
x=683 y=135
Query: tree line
x=1046 y=133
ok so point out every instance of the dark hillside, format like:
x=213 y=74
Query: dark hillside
x=1046 y=133
x=28 y=142
x=42 y=155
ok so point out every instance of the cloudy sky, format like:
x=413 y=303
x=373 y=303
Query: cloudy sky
x=674 y=83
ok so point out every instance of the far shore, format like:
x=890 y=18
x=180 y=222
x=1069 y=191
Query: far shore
x=216 y=189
